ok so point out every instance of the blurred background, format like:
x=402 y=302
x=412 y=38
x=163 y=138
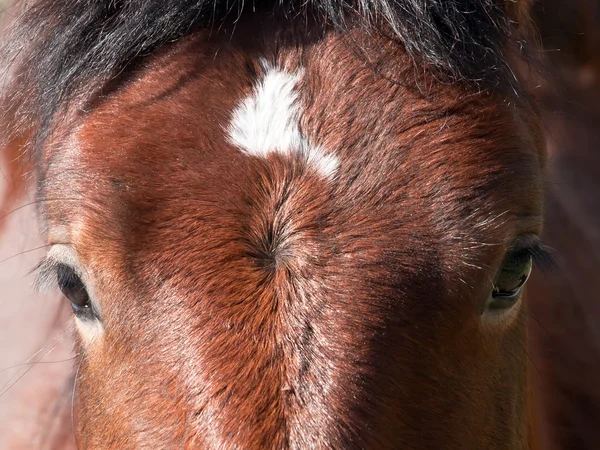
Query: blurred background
x=565 y=303
x=35 y=336
x=36 y=349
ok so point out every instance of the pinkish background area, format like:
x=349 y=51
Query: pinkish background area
x=35 y=342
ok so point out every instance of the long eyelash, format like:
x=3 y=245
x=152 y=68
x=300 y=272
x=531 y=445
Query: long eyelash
x=45 y=275
x=530 y=246
x=543 y=257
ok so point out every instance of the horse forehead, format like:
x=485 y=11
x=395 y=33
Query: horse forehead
x=244 y=105
x=327 y=124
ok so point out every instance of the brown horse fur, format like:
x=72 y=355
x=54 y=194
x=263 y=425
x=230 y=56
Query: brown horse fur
x=251 y=302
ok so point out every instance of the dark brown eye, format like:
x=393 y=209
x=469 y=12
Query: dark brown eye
x=74 y=290
x=509 y=283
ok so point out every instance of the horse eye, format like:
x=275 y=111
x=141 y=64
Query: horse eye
x=510 y=280
x=74 y=290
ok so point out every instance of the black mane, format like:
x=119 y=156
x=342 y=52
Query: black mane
x=68 y=48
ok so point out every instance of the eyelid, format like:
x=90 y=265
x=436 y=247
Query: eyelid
x=45 y=271
x=524 y=242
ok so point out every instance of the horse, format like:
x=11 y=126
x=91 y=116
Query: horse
x=287 y=225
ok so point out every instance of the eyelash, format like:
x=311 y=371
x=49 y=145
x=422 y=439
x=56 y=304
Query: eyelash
x=542 y=256
x=45 y=273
